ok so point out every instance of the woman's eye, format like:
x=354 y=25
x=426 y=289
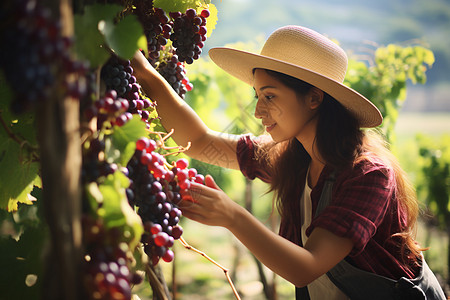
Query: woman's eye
x=264 y=97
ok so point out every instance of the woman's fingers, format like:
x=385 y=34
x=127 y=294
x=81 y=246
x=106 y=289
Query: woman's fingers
x=209 y=182
x=200 y=190
x=193 y=215
x=207 y=204
x=194 y=211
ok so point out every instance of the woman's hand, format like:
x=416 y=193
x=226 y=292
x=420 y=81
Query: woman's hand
x=209 y=205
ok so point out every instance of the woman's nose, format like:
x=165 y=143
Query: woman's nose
x=260 y=109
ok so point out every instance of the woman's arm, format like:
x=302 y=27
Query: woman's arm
x=323 y=250
x=206 y=145
x=298 y=265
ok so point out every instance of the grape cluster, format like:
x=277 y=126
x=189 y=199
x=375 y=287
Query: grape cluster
x=117 y=74
x=175 y=74
x=156 y=191
x=35 y=54
x=189 y=34
x=109 y=110
x=107 y=274
x=157 y=27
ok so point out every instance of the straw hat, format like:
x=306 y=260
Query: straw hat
x=304 y=54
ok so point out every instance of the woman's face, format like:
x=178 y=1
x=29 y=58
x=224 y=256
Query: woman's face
x=283 y=113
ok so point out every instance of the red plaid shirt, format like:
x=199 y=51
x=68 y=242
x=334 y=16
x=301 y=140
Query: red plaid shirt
x=363 y=208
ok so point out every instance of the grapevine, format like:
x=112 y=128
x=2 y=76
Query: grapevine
x=131 y=181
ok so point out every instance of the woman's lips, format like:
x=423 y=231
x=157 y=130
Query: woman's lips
x=270 y=127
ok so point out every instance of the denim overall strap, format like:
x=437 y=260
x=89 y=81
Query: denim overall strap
x=360 y=284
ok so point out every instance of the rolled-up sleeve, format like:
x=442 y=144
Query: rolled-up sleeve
x=248 y=164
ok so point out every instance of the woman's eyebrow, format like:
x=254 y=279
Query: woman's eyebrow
x=265 y=87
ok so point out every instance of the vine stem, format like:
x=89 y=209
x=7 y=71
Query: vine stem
x=8 y=131
x=163 y=139
x=156 y=284
x=225 y=270
x=23 y=143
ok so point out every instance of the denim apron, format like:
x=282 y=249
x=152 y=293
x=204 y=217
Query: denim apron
x=360 y=284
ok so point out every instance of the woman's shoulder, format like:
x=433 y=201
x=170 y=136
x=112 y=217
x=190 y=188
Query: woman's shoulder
x=366 y=165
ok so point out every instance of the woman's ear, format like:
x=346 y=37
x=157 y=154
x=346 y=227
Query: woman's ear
x=315 y=98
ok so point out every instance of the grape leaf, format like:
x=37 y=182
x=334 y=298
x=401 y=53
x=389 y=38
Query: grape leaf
x=179 y=5
x=111 y=210
x=116 y=211
x=17 y=173
x=125 y=37
x=17 y=179
x=211 y=21
x=123 y=136
x=89 y=42
x=96 y=29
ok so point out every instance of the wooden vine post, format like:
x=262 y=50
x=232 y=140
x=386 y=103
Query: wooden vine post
x=58 y=136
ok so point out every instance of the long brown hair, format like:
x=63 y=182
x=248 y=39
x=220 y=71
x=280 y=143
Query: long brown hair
x=342 y=144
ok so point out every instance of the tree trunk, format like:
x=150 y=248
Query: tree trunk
x=58 y=136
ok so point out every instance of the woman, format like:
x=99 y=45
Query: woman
x=347 y=209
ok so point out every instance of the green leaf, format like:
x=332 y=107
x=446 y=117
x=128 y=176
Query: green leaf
x=16 y=185
x=125 y=37
x=134 y=228
x=123 y=136
x=115 y=210
x=94 y=195
x=89 y=41
x=110 y=209
x=173 y=6
x=17 y=173
x=211 y=21
x=180 y=5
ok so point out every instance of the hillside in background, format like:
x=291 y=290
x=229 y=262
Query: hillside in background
x=358 y=25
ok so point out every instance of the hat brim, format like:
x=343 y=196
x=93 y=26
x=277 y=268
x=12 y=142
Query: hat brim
x=240 y=64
